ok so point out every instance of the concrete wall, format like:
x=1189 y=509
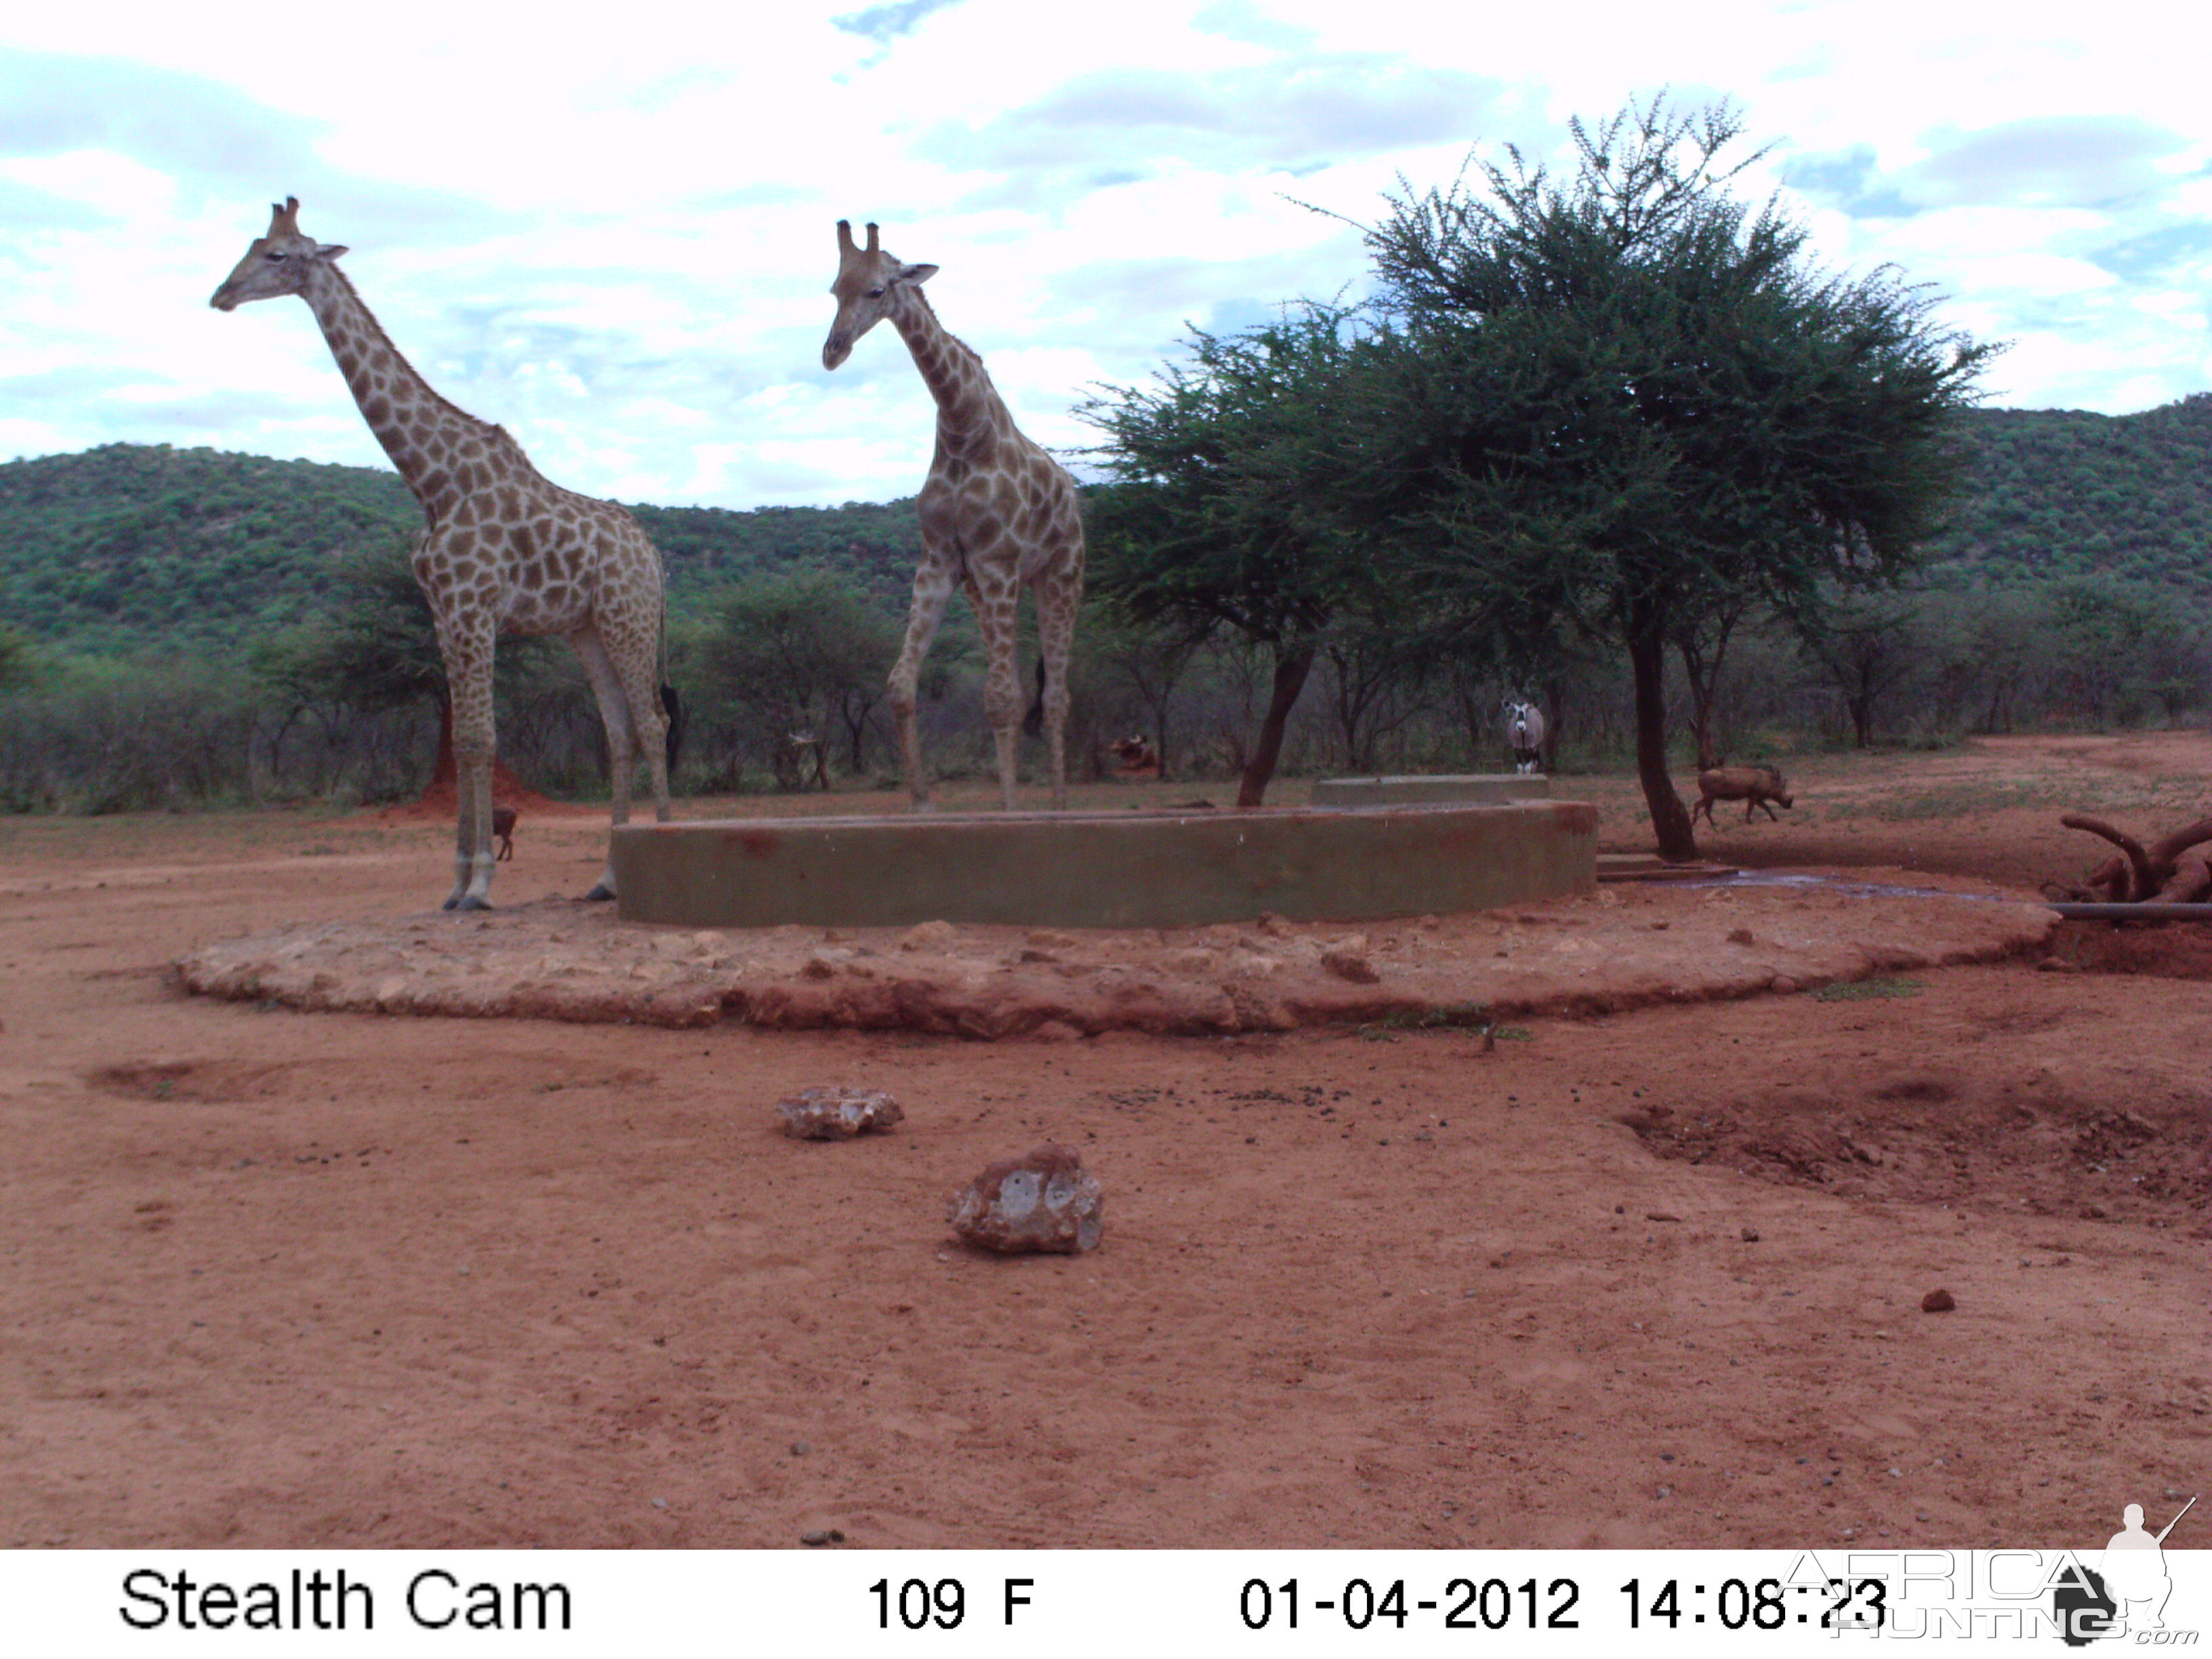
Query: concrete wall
x=1474 y=789
x=1104 y=869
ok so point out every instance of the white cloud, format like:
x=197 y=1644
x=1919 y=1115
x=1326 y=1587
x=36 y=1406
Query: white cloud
x=611 y=230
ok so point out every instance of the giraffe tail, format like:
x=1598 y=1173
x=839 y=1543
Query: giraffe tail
x=1033 y=723
x=674 y=706
x=669 y=703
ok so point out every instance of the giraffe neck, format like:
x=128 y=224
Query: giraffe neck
x=967 y=403
x=420 y=430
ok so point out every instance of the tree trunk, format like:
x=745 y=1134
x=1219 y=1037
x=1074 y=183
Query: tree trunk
x=1292 y=664
x=1862 y=713
x=1647 y=659
x=1703 y=675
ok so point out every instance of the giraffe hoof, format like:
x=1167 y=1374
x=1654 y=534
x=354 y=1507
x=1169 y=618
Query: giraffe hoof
x=468 y=903
x=601 y=892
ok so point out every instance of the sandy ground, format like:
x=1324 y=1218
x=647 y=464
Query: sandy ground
x=281 y=1278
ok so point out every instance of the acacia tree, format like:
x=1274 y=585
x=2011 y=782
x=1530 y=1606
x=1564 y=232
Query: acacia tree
x=800 y=650
x=1865 y=647
x=1234 y=505
x=1624 y=397
x=1150 y=662
x=378 y=648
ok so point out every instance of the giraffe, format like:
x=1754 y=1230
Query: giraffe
x=998 y=514
x=502 y=550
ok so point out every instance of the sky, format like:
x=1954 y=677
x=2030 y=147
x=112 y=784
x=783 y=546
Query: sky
x=611 y=227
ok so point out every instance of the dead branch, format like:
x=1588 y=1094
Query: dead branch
x=2169 y=849
x=2190 y=881
x=2138 y=860
x=2175 y=869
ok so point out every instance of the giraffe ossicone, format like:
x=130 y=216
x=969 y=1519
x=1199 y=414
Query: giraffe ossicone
x=503 y=551
x=998 y=515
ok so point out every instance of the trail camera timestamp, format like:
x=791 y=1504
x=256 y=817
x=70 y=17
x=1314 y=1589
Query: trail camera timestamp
x=1466 y=1603
x=1767 y=1604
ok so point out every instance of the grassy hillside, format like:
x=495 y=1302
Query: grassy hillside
x=2062 y=492
x=131 y=548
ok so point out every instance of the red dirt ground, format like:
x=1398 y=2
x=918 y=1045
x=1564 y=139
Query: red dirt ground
x=277 y=1279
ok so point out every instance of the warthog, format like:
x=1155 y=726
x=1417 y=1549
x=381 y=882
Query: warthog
x=1755 y=786
x=1134 y=757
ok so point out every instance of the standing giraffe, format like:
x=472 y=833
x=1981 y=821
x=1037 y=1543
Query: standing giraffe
x=502 y=550
x=998 y=514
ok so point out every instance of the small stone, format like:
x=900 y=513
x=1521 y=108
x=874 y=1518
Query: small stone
x=929 y=935
x=820 y=1535
x=1740 y=936
x=1348 y=963
x=837 y=1112
x=819 y=964
x=1046 y=938
x=1751 y=1235
x=1043 y=1201
x=1274 y=926
x=1938 y=1301
x=800 y=1448
x=1661 y=1215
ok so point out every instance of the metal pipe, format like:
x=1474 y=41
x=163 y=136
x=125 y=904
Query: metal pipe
x=2146 y=912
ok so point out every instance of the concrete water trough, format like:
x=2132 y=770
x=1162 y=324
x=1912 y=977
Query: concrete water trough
x=1438 y=789
x=1127 y=869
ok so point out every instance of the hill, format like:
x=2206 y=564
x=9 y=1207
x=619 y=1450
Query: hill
x=129 y=548
x=2053 y=492
x=132 y=547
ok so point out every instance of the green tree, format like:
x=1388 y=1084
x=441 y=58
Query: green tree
x=1625 y=398
x=1220 y=517
x=1866 y=647
x=16 y=657
x=1150 y=661
x=799 y=651
x=378 y=649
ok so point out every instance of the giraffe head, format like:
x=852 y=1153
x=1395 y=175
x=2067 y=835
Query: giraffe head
x=867 y=280
x=278 y=262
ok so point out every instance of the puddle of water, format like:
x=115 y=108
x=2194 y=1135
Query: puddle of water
x=1857 y=888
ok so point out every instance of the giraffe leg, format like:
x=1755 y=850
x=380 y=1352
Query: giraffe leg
x=468 y=654
x=609 y=686
x=933 y=590
x=1058 y=599
x=1002 y=682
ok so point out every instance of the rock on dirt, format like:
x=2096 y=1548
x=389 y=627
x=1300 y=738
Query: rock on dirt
x=837 y=1112
x=1347 y=959
x=1045 y=1200
x=1938 y=1301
